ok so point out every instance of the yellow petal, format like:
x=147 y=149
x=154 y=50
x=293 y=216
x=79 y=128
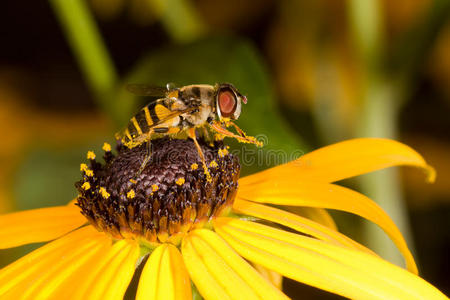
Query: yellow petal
x=112 y=275
x=331 y=196
x=38 y=225
x=164 y=276
x=29 y=267
x=347 y=272
x=219 y=273
x=48 y=280
x=71 y=284
x=342 y=160
x=318 y=215
x=208 y=286
x=296 y=222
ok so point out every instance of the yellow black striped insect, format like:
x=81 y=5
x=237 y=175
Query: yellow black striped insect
x=182 y=110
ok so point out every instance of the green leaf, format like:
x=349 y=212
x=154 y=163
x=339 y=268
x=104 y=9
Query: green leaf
x=47 y=176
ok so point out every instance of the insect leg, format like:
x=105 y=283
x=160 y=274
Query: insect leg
x=244 y=139
x=240 y=131
x=191 y=134
x=206 y=134
x=146 y=159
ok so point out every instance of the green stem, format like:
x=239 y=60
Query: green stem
x=385 y=93
x=378 y=118
x=87 y=45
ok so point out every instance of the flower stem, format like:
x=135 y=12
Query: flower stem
x=88 y=47
x=385 y=91
x=378 y=118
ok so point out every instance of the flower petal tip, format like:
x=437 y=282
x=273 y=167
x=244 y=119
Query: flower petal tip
x=431 y=174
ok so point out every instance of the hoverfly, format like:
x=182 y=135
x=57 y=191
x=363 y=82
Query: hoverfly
x=183 y=110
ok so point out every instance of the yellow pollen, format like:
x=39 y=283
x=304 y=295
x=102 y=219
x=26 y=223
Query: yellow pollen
x=155 y=187
x=133 y=181
x=223 y=152
x=180 y=181
x=213 y=164
x=90 y=155
x=218 y=137
x=83 y=167
x=106 y=147
x=207 y=174
x=86 y=186
x=194 y=166
x=131 y=194
x=89 y=173
x=104 y=193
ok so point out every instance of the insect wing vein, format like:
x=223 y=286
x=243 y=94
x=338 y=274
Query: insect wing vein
x=147 y=90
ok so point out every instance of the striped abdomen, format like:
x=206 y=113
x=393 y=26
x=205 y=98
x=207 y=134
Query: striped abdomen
x=155 y=117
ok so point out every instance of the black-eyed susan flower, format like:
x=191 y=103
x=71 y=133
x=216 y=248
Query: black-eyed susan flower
x=226 y=236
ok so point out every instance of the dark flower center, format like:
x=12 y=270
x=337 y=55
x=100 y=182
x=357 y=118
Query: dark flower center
x=168 y=198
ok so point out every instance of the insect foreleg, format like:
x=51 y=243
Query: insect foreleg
x=239 y=130
x=244 y=139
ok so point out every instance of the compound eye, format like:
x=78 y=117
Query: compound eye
x=227 y=103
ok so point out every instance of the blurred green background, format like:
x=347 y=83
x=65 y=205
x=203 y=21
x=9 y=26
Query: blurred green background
x=315 y=73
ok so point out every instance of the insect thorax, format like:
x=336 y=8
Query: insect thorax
x=201 y=96
x=203 y=92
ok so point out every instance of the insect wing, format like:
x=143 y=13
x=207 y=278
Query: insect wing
x=161 y=115
x=147 y=90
